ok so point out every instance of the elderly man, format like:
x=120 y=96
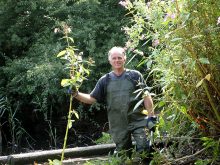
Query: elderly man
x=116 y=89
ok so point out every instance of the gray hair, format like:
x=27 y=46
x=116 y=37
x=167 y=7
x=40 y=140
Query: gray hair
x=119 y=50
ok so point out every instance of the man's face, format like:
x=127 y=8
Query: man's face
x=117 y=60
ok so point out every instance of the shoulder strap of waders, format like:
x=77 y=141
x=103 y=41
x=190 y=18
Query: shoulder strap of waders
x=130 y=75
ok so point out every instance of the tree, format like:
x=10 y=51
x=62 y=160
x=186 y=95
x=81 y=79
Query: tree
x=29 y=45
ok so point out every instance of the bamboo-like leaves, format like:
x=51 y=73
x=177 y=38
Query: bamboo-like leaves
x=138 y=104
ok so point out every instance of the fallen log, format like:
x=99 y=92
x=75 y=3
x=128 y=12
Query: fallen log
x=43 y=156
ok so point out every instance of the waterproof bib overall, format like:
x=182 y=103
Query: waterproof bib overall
x=122 y=120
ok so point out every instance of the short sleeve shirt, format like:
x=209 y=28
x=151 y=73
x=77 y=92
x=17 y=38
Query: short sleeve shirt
x=99 y=92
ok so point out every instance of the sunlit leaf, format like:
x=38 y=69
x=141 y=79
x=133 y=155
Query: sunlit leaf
x=176 y=39
x=197 y=36
x=146 y=93
x=199 y=83
x=56 y=162
x=145 y=112
x=131 y=59
x=183 y=110
x=204 y=60
x=65 y=82
x=138 y=104
x=149 y=63
x=70 y=124
x=139 y=93
x=138 y=90
x=61 y=53
x=208 y=77
x=141 y=62
x=161 y=103
x=71 y=39
x=76 y=114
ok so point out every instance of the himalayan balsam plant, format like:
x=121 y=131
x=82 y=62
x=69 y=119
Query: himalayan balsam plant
x=78 y=71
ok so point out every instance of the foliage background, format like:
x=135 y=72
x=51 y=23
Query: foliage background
x=175 y=44
x=31 y=73
x=184 y=64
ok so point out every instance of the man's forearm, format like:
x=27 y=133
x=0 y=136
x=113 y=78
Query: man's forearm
x=85 y=98
x=149 y=105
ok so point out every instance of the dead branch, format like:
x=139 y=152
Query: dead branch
x=187 y=159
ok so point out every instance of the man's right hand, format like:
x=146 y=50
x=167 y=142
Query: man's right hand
x=73 y=91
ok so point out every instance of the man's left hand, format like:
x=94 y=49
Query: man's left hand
x=151 y=123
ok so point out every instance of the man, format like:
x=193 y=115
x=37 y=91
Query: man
x=117 y=90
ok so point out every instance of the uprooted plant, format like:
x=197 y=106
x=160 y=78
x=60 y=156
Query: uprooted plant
x=78 y=71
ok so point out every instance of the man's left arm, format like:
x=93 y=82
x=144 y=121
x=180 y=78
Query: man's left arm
x=149 y=105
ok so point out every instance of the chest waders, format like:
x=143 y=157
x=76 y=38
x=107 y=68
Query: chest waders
x=123 y=122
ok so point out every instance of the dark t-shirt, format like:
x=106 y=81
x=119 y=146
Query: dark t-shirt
x=99 y=92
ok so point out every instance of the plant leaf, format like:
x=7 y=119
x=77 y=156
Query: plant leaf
x=161 y=104
x=70 y=124
x=138 y=104
x=199 y=83
x=56 y=162
x=208 y=77
x=61 y=53
x=176 y=39
x=76 y=114
x=65 y=82
x=204 y=60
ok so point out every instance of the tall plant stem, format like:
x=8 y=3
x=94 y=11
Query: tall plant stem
x=211 y=101
x=177 y=7
x=67 y=129
x=205 y=86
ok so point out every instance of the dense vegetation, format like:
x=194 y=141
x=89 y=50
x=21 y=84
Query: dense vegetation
x=175 y=44
x=33 y=103
x=183 y=60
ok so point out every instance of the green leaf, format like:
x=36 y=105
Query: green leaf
x=161 y=104
x=176 y=39
x=204 y=60
x=202 y=162
x=199 y=83
x=61 y=53
x=138 y=104
x=208 y=77
x=183 y=110
x=65 y=82
x=139 y=93
x=56 y=162
x=76 y=114
x=71 y=39
x=197 y=36
x=70 y=124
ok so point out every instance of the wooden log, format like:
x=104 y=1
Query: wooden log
x=43 y=156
